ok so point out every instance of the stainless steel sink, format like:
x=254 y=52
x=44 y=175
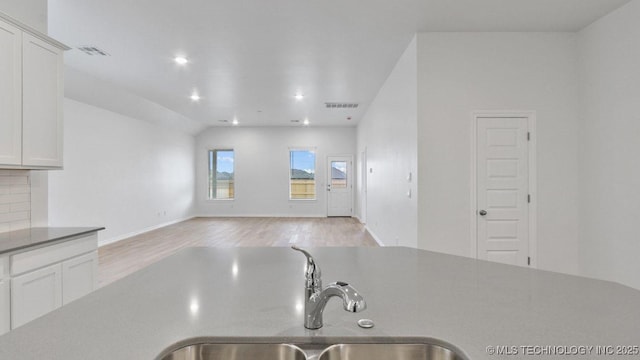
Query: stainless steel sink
x=388 y=351
x=396 y=349
x=237 y=352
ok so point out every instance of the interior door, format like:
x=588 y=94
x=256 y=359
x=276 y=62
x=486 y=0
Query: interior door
x=339 y=186
x=502 y=190
x=363 y=193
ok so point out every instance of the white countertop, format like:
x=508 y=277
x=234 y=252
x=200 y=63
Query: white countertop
x=26 y=238
x=257 y=293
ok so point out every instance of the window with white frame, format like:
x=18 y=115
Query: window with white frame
x=302 y=174
x=221 y=174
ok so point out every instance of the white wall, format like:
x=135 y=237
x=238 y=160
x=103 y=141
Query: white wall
x=463 y=72
x=262 y=168
x=610 y=147
x=387 y=133
x=30 y=12
x=121 y=173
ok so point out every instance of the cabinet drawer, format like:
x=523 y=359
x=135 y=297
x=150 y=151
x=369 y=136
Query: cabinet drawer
x=4 y=267
x=34 y=259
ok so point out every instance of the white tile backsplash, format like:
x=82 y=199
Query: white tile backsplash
x=15 y=200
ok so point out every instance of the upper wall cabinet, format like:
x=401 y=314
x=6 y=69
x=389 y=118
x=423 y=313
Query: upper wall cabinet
x=10 y=95
x=31 y=98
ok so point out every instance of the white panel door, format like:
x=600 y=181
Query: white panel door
x=10 y=95
x=42 y=86
x=339 y=186
x=502 y=190
x=35 y=294
x=79 y=276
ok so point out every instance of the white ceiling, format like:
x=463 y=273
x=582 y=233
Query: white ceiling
x=250 y=57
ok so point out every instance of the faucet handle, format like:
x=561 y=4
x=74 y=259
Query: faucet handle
x=313 y=270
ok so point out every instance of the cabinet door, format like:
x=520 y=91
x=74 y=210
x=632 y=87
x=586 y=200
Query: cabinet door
x=42 y=89
x=79 y=276
x=10 y=95
x=35 y=294
x=5 y=310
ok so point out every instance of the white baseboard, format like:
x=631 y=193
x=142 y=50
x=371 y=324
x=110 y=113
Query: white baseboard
x=374 y=236
x=139 y=232
x=262 y=216
x=359 y=220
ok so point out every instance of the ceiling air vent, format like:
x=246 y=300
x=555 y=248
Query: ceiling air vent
x=92 y=50
x=332 y=105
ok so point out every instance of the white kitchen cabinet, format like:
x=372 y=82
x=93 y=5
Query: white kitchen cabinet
x=48 y=277
x=5 y=300
x=10 y=95
x=42 y=89
x=35 y=293
x=79 y=276
x=31 y=98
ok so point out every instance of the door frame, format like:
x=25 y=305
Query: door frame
x=533 y=189
x=362 y=190
x=350 y=179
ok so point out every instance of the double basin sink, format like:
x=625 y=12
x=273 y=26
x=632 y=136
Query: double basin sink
x=398 y=350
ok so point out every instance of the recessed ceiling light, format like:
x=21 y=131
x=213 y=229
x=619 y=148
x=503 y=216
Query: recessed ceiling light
x=181 y=60
x=299 y=96
x=235 y=122
x=195 y=97
x=306 y=122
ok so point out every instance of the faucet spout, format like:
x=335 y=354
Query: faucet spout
x=351 y=300
x=316 y=297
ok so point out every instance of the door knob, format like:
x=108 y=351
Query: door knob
x=482 y=212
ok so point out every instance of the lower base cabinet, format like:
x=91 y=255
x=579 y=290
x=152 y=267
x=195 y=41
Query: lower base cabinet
x=79 y=276
x=5 y=298
x=35 y=294
x=46 y=278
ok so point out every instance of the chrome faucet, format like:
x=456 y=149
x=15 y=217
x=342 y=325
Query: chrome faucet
x=316 y=297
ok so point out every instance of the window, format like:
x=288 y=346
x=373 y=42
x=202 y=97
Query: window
x=338 y=175
x=221 y=174
x=302 y=179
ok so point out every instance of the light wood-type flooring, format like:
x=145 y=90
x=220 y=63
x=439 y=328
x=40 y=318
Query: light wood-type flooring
x=122 y=258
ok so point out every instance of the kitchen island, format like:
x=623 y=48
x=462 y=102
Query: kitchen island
x=256 y=294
